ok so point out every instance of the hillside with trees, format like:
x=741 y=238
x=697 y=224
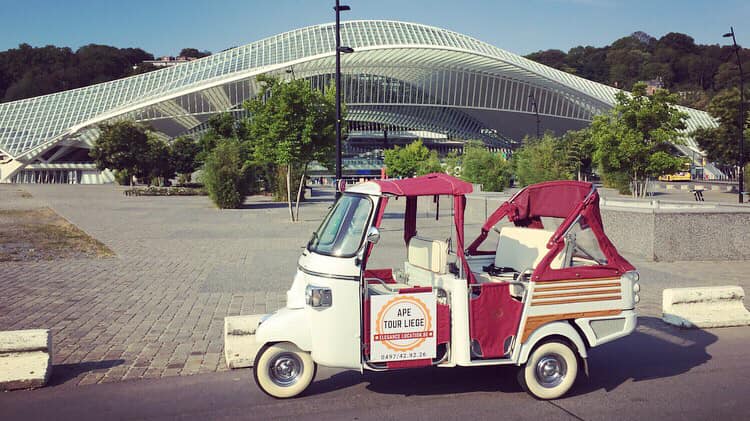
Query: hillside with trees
x=28 y=71
x=695 y=72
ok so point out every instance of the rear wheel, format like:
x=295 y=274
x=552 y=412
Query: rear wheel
x=551 y=370
x=284 y=371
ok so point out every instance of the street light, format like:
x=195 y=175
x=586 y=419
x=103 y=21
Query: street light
x=339 y=49
x=730 y=34
x=536 y=111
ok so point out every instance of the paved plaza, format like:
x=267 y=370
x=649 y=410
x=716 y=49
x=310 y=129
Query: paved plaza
x=157 y=309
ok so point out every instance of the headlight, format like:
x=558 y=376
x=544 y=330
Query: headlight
x=633 y=276
x=636 y=287
x=636 y=298
x=318 y=296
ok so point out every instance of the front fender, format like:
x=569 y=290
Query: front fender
x=286 y=325
x=562 y=329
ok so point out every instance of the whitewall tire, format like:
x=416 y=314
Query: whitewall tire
x=283 y=371
x=551 y=370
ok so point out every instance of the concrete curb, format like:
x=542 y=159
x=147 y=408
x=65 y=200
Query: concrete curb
x=240 y=347
x=25 y=359
x=705 y=307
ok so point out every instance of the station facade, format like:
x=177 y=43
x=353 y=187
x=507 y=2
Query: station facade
x=403 y=81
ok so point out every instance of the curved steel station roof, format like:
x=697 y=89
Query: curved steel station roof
x=402 y=75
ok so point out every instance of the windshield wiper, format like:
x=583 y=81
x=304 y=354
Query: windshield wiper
x=314 y=237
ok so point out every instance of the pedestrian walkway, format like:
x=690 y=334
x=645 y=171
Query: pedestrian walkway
x=157 y=309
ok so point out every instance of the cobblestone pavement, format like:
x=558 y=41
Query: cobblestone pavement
x=157 y=309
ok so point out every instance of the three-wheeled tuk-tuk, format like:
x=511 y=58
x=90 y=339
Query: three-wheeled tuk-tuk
x=551 y=287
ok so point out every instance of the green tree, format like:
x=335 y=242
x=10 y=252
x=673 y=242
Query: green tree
x=184 y=156
x=291 y=125
x=224 y=174
x=121 y=146
x=721 y=143
x=194 y=53
x=478 y=165
x=578 y=150
x=635 y=137
x=156 y=164
x=540 y=160
x=411 y=160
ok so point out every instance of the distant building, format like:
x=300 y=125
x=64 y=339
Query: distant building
x=653 y=85
x=168 y=61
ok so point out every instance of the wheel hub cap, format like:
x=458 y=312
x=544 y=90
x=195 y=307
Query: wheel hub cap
x=550 y=370
x=285 y=369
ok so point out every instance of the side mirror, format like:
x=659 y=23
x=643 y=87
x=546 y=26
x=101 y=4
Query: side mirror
x=373 y=235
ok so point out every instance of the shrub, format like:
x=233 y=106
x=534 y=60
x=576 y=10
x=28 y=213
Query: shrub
x=540 y=160
x=411 y=160
x=478 y=165
x=123 y=177
x=223 y=175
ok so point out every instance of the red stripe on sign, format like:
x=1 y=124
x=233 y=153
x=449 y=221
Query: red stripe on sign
x=403 y=335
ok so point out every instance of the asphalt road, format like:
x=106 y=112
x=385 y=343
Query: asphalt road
x=657 y=373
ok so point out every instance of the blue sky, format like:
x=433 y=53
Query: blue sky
x=163 y=27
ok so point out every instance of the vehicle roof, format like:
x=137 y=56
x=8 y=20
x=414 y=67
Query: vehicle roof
x=425 y=185
x=551 y=198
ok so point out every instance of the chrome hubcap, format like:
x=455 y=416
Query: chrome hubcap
x=550 y=370
x=285 y=369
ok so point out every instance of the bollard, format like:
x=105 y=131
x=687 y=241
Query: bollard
x=705 y=307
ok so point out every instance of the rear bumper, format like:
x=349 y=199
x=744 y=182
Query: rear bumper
x=600 y=330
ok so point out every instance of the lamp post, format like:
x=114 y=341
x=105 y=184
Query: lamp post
x=741 y=160
x=536 y=111
x=339 y=49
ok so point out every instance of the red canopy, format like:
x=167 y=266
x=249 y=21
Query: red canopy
x=557 y=199
x=426 y=185
x=430 y=185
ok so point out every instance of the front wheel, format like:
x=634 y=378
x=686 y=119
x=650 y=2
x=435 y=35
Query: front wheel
x=283 y=371
x=550 y=372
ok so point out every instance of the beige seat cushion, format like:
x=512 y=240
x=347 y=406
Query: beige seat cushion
x=428 y=254
x=523 y=248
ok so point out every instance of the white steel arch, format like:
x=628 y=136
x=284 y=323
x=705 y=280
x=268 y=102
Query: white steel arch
x=401 y=74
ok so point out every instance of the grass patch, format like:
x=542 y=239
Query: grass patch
x=42 y=234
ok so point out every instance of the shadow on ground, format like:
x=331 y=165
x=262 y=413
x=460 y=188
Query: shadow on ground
x=63 y=373
x=654 y=351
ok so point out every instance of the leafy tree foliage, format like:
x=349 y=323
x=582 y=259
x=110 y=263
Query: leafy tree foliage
x=224 y=174
x=411 y=160
x=540 y=160
x=634 y=139
x=184 y=156
x=478 y=165
x=132 y=150
x=194 y=53
x=578 y=150
x=29 y=71
x=722 y=143
x=121 y=147
x=697 y=71
x=291 y=125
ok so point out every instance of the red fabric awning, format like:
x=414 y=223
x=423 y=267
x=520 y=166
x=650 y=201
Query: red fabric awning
x=425 y=185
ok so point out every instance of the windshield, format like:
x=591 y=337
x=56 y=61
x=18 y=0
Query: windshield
x=343 y=230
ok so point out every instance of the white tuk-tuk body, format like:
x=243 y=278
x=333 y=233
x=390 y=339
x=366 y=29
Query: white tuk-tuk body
x=540 y=299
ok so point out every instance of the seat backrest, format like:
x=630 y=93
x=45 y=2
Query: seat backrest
x=523 y=248
x=428 y=254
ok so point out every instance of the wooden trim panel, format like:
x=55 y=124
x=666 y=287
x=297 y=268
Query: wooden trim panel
x=534 y=322
x=590 y=286
x=576 y=300
x=578 y=293
x=570 y=281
